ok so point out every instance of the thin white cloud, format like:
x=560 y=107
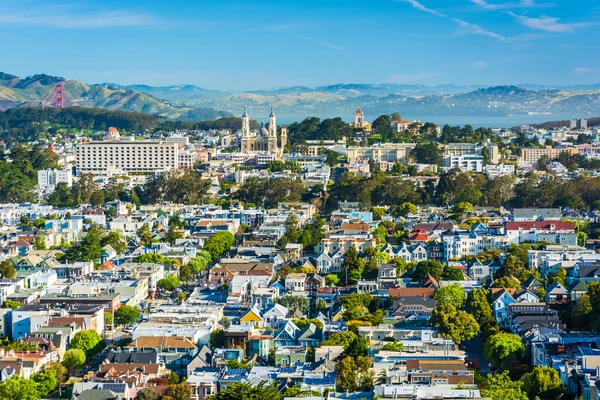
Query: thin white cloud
x=421 y=7
x=502 y=6
x=477 y=30
x=479 y=64
x=321 y=42
x=410 y=78
x=548 y=24
x=467 y=27
x=585 y=70
x=71 y=18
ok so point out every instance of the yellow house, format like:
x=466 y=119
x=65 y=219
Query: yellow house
x=252 y=318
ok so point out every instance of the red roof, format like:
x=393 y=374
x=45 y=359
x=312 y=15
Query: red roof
x=419 y=237
x=359 y=111
x=108 y=265
x=543 y=225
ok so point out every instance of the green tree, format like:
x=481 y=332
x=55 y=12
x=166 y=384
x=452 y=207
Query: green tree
x=427 y=153
x=19 y=388
x=172 y=377
x=332 y=280
x=181 y=391
x=454 y=324
x=355 y=374
x=353 y=265
x=61 y=373
x=97 y=198
x=218 y=244
x=340 y=339
x=503 y=346
x=145 y=235
x=425 y=268
x=358 y=347
x=73 y=359
x=7 y=270
x=453 y=274
x=507 y=282
x=395 y=346
x=108 y=319
x=238 y=391
x=501 y=387
x=12 y=304
x=88 y=249
x=382 y=126
x=87 y=340
x=173 y=234
x=479 y=306
x=115 y=240
x=404 y=210
x=40 y=242
x=450 y=295
x=559 y=276
x=294 y=303
x=126 y=315
x=217 y=339
x=543 y=383
x=147 y=393
x=46 y=382
x=169 y=283
x=380 y=233
x=580 y=315
x=62 y=197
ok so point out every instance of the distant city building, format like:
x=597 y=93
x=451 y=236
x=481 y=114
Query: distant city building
x=578 y=124
x=360 y=122
x=389 y=152
x=494 y=153
x=147 y=156
x=264 y=140
x=498 y=170
x=470 y=162
x=49 y=178
x=532 y=155
x=180 y=140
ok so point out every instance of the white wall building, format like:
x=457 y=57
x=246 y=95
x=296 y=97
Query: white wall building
x=498 y=170
x=49 y=178
x=471 y=162
x=147 y=156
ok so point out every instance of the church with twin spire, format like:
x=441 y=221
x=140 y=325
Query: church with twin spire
x=265 y=139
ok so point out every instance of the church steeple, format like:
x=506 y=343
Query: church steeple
x=245 y=124
x=272 y=124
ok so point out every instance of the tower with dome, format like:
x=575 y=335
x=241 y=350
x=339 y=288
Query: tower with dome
x=265 y=139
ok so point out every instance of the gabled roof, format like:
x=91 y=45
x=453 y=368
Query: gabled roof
x=290 y=328
x=556 y=288
x=311 y=332
x=579 y=286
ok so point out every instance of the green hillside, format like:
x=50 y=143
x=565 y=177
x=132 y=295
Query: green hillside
x=31 y=91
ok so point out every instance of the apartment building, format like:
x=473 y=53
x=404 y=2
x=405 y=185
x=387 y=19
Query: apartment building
x=147 y=156
x=471 y=162
x=531 y=156
x=390 y=152
x=49 y=178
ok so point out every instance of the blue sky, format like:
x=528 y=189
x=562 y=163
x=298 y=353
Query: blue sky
x=246 y=45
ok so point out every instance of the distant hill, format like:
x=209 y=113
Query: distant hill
x=171 y=93
x=443 y=100
x=594 y=121
x=193 y=103
x=31 y=91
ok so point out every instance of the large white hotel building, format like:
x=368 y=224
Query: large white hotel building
x=148 y=156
